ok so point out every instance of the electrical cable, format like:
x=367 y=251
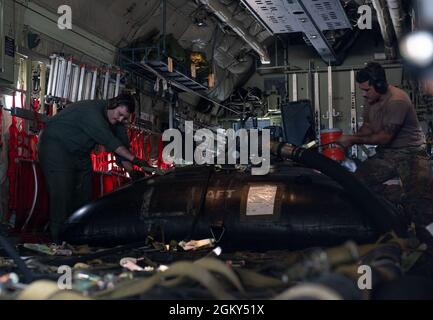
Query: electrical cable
x=29 y=216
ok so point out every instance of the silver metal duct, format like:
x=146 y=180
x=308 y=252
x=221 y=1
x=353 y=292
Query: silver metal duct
x=386 y=28
x=397 y=16
x=225 y=16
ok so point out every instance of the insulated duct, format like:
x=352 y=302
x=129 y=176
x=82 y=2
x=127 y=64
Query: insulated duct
x=396 y=13
x=226 y=16
x=385 y=24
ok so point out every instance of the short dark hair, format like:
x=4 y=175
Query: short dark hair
x=374 y=73
x=122 y=99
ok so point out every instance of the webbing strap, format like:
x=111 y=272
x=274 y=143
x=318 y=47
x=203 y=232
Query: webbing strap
x=188 y=270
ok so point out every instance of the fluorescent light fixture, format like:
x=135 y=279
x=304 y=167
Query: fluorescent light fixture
x=417 y=48
x=264 y=60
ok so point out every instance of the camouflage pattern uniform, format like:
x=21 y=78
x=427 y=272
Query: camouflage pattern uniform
x=412 y=165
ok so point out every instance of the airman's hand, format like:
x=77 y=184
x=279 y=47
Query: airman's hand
x=140 y=162
x=345 y=141
x=136 y=175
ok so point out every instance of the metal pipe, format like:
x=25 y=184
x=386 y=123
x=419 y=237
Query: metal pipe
x=28 y=84
x=117 y=89
x=61 y=78
x=55 y=76
x=93 y=89
x=325 y=69
x=164 y=26
x=330 y=100
x=106 y=80
x=81 y=82
x=295 y=87
x=286 y=62
x=43 y=90
x=226 y=16
x=51 y=74
x=317 y=113
x=111 y=88
x=67 y=86
x=87 y=86
x=75 y=77
x=310 y=82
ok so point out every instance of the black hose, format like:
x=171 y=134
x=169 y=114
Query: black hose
x=10 y=250
x=381 y=215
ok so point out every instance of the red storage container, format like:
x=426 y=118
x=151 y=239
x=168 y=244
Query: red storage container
x=331 y=149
